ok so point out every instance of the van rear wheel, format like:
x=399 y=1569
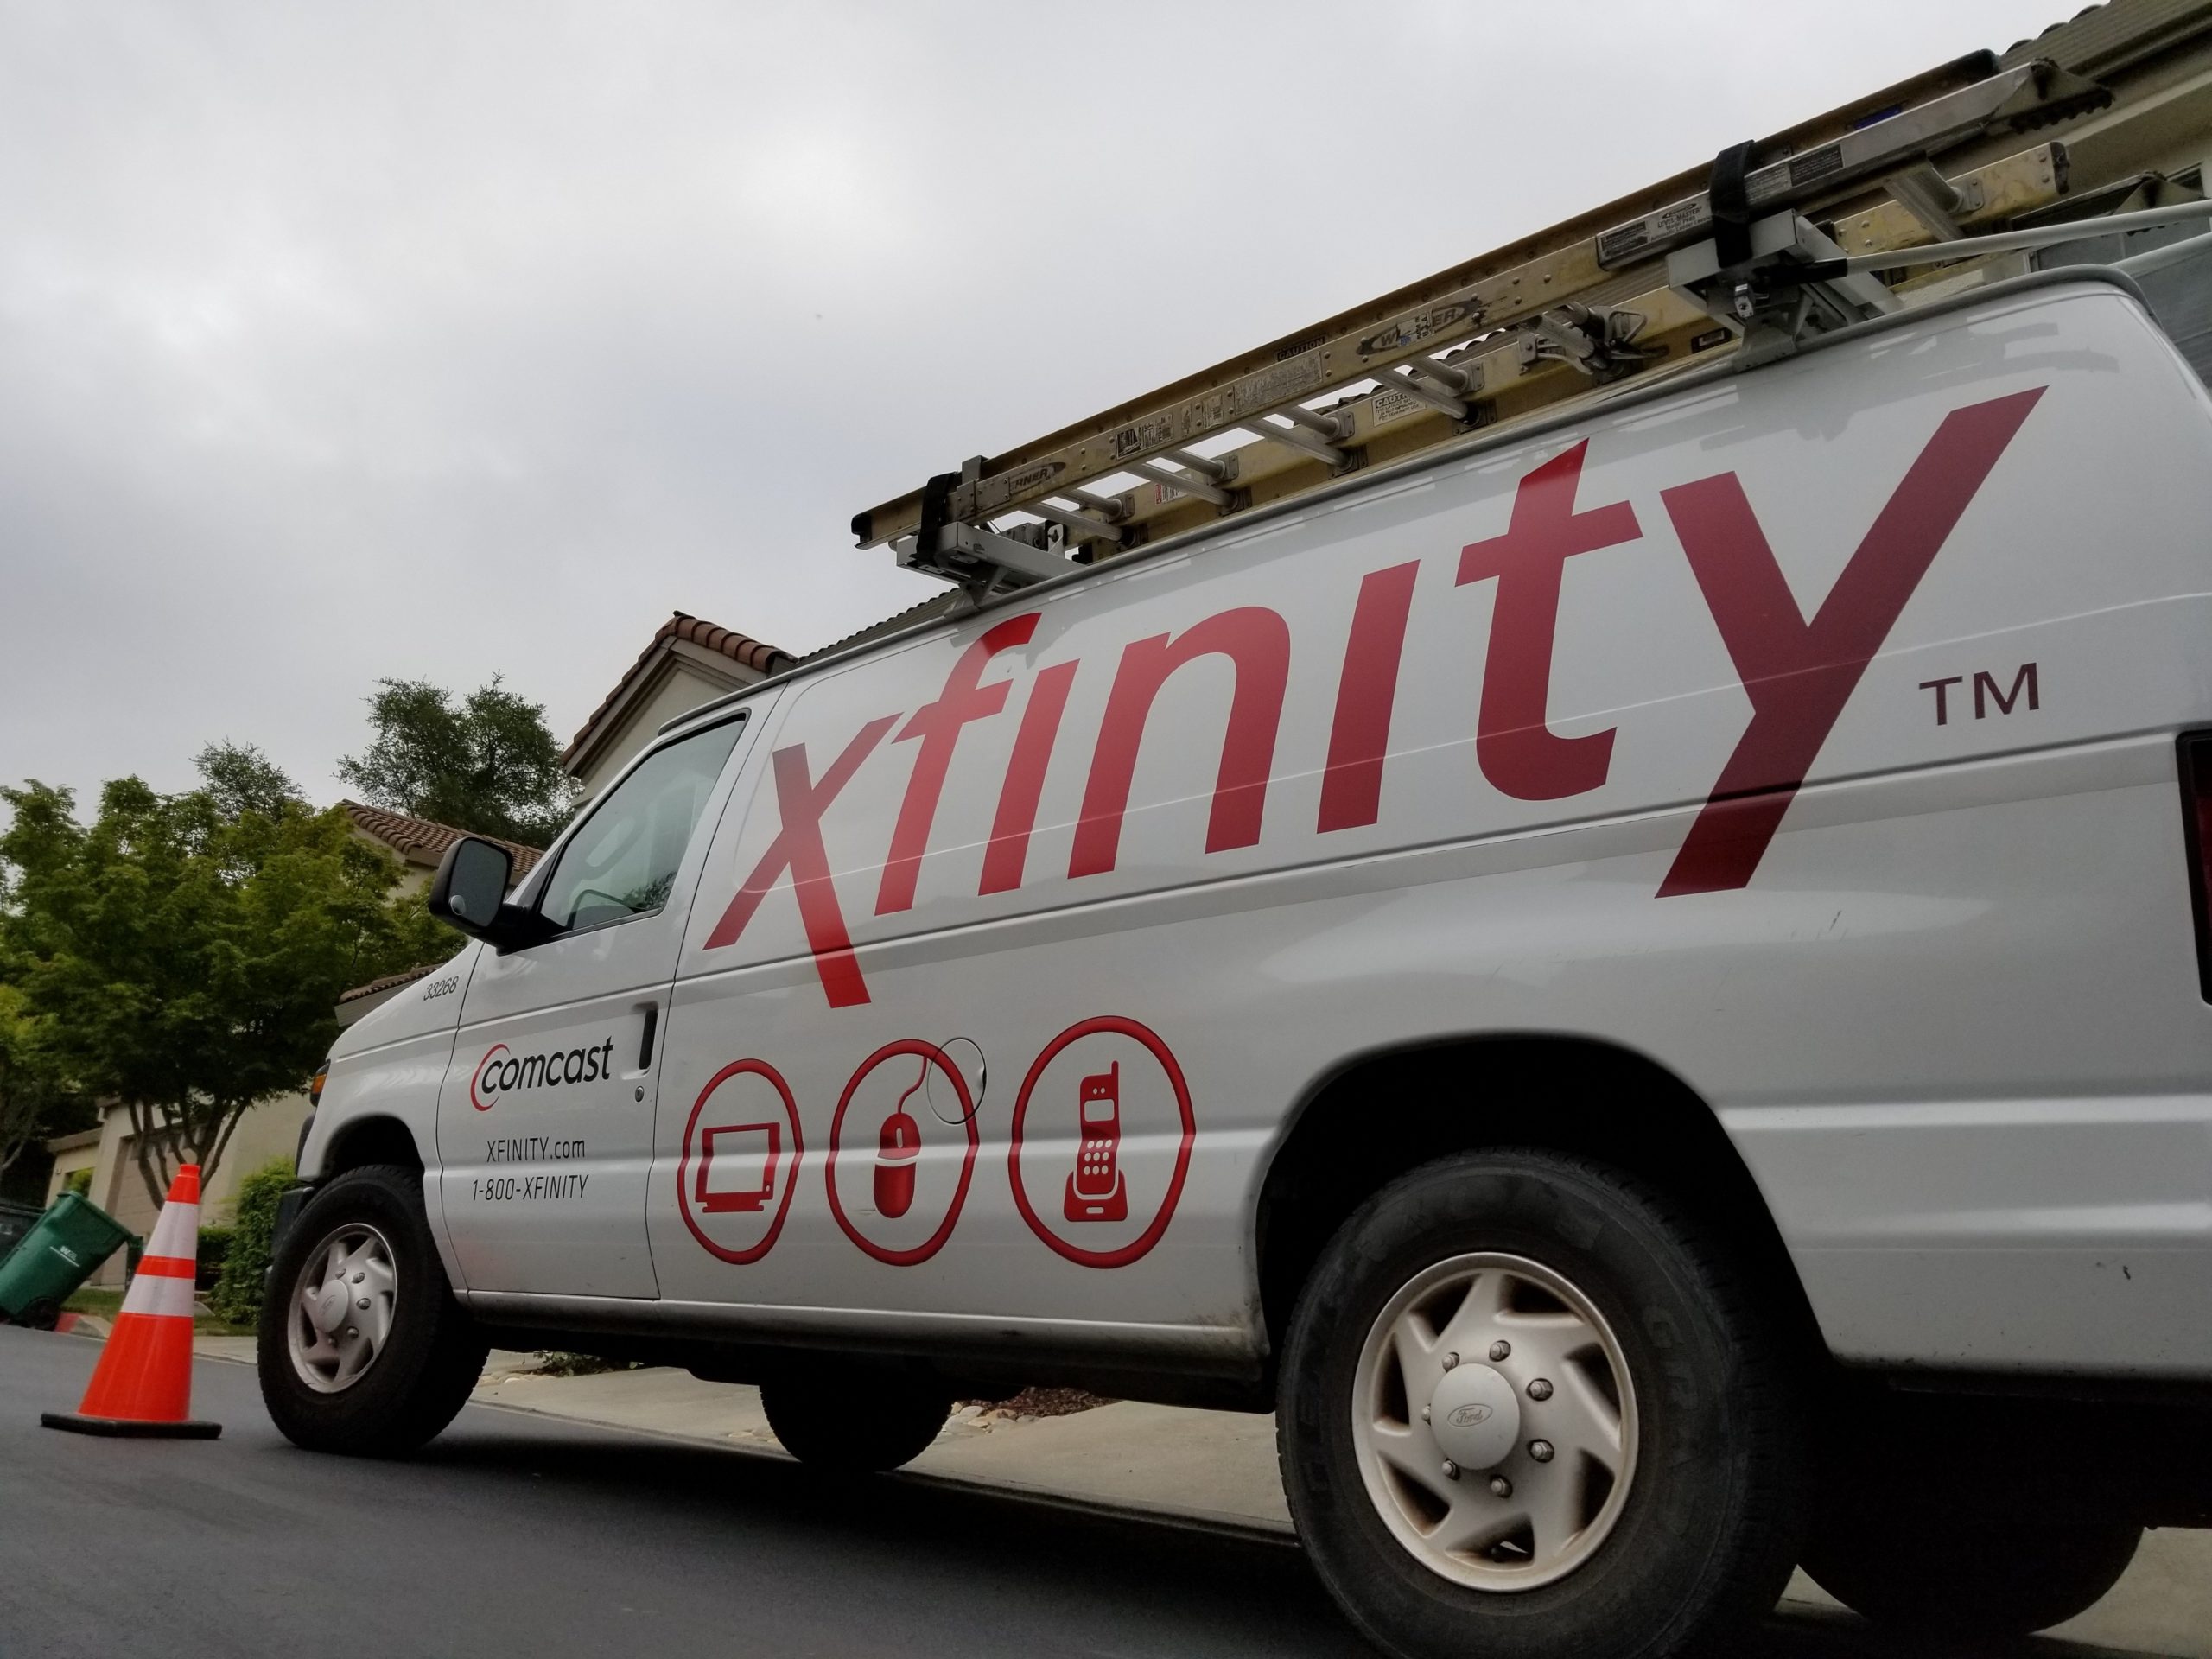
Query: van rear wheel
x=363 y=1348
x=855 y=1419
x=1527 y=1408
x=1929 y=1574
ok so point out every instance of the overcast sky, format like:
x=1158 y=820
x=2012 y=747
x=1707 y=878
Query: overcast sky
x=348 y=340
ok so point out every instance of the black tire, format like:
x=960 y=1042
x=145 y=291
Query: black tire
x=432 y=1357
x=1706 y=1534
x=854 y=1420
x=1928 y=1574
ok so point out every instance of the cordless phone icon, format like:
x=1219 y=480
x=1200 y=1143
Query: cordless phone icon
x=1097 y=1191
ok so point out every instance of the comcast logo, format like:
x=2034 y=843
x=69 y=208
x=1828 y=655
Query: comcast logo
x=502 y=1072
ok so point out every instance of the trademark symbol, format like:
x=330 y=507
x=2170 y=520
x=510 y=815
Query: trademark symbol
x=1987 y=693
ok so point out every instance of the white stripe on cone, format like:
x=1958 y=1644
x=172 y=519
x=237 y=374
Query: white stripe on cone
x=176 y=1232
x=160 y=1295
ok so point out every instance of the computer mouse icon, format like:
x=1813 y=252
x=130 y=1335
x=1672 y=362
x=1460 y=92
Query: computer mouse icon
x=899 y=1146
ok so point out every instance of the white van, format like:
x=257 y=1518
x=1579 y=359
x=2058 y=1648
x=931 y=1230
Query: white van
x=1642 y=982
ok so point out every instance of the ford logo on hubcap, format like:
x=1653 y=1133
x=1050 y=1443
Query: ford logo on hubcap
x=1468 y=1416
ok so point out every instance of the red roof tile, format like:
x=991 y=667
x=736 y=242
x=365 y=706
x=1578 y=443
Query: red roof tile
x=936 y=605
x=389 y=982
x=421 y=842
x=751 y=653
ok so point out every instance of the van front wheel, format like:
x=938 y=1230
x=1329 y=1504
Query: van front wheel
x=362 y=1347
x=1527 y=1408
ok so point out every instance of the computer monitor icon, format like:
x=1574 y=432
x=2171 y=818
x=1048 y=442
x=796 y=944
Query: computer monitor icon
x=737 y=1166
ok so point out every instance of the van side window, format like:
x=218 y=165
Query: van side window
x=622 y=861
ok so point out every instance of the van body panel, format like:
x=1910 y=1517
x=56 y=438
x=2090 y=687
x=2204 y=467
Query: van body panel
x=391 y=1063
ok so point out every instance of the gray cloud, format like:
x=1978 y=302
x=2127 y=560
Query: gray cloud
x=340 y=341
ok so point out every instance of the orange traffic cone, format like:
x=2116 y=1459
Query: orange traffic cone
x=142 y=1385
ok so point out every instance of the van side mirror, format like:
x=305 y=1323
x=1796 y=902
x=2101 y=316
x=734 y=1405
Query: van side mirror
x=470 y=893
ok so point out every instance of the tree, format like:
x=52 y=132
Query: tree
x=242 y=779
x=186 y=952
x=36 y=1099
x=486 y=763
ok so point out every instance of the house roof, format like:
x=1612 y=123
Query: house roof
x=936 y=605
x=681 y=628
x=390 y=982
x=419 y=841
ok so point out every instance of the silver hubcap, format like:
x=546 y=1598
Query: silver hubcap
x=340 y=1308
x=1494 y=1420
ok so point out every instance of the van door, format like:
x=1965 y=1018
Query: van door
x=545 y=1120
x=910 y=1075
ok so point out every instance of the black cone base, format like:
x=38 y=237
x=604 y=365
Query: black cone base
x=127 y=1429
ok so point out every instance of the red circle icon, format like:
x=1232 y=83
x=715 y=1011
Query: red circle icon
x=1123 y=1256
x=932 y=1058
x=750 y=1147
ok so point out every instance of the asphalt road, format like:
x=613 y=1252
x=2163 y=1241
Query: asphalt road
x=514 y=1534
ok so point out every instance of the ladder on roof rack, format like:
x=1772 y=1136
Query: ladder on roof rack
x=1660 y=277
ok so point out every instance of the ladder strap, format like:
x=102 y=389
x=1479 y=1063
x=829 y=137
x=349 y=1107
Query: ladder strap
x=937 y=499
x=1729 y=199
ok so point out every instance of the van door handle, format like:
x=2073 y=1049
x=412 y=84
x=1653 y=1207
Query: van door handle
x=646 y=1046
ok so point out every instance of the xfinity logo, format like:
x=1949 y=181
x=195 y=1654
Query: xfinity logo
x=502 y=1072
x=1797 y=673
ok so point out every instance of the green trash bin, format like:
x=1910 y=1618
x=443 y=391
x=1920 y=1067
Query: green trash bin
x=64 y=1248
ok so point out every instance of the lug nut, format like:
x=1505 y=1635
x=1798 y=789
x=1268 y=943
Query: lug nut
x=358 y=1277
x=1500 y=1351
x=1450 y=1361
x=1424 y=1413
x=1450 y=1470
x=1540 y=1451
x=1540 y=1389
x=1501 y=1486
x=352 y=1331
x=363 y=1304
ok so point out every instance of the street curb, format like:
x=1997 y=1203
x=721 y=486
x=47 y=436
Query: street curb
x=1212 y=1522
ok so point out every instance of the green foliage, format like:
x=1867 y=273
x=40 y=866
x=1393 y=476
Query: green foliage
x=486 y=763
x=184 y=953
x=92 y=1299
x=214 y=1247
x=237 y=1295
x=37 y=1097
x=242 y=779
x=79 y=1181
x=417 y=936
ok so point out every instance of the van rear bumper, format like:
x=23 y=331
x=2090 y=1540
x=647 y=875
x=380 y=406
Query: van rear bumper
x=2068 y=1237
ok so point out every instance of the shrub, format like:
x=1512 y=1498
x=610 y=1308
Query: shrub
x=253 y=1230
x=214 y=1245
x=79 y=1181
